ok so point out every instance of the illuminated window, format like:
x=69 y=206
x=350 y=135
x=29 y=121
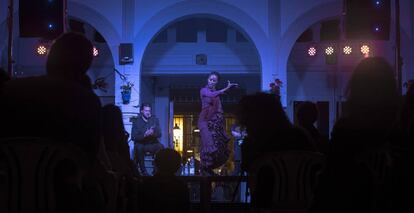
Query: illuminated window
x=178 y=132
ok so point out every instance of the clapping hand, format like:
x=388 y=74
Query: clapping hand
x=149 y=132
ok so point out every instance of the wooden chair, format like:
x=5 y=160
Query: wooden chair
x=27 y=172
x=295 y=175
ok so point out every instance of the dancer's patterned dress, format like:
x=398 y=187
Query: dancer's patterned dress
x=214 y=140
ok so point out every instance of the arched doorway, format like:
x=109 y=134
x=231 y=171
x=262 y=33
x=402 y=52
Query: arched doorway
x=176 y=64
x=240 y=19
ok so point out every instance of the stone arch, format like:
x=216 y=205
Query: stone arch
x=230 y=14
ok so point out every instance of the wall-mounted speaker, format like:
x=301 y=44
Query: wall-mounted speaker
x=126 y=53
x=201 y=59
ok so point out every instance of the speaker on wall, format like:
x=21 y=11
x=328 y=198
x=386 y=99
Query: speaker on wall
x=201 y=59
x=126 y=53
x=42 y=18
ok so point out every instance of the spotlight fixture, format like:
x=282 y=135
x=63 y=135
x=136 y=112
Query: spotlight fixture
x=347 y=50
x=95 y=52
x=365 y=50
x=329 y=50
x=312 y=51
x=41 y=50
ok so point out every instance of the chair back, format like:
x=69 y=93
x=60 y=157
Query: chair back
x=379 y=162
x=295 y=176
x=27 y=168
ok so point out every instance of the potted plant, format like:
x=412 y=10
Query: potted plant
x=126 y=92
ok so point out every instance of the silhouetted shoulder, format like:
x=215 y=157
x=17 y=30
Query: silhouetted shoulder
x=52 y=108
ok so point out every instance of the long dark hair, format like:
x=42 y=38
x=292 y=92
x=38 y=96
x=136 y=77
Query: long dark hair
x=371 y=86
x=262 y=114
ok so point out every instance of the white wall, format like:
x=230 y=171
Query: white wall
x=292 y=10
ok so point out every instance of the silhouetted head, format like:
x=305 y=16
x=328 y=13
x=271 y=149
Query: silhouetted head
x=213 y=79
x=410 y=93
x=410 y=86
x=70 y=56
x=262 y=113
x=409 y=99
x=407 y=112
x=372 y=86
x=307 y=113
x=167 y=161
x=85 y=81
x=3 y=76
x=113 y=127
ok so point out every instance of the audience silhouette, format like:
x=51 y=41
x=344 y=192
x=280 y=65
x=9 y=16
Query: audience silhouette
x=116 y=140
x=70 y=57
x=268 y=130
x=56 y=106
x=164 y=192
x=348 y=183
x=61 y=107
x=401 y=184
x=3 y=76
x=307 y=115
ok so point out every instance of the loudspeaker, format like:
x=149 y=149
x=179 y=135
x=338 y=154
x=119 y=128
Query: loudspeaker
x=126 y=53
x=201 y=59
x=42 y=18
x=368 y=19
